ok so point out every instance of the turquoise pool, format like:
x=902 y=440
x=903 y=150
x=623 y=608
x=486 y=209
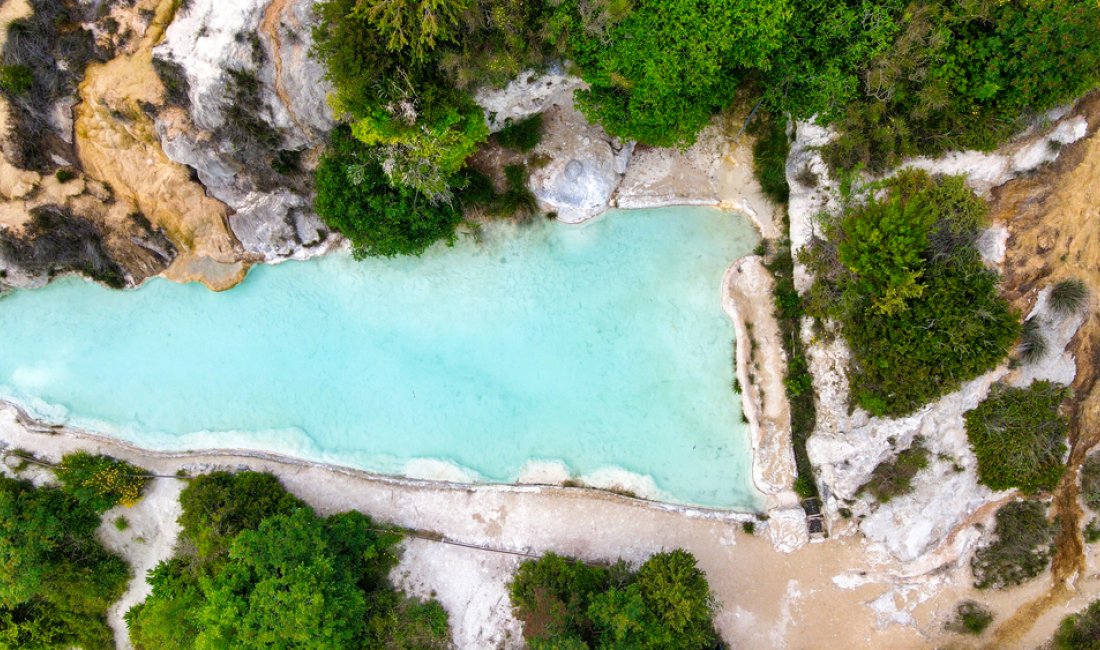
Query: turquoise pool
x=600 y=351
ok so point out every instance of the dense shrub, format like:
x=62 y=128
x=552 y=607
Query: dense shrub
x=769 y=158
x=355 y=198
x=659 y=69
x=218 y=506
x=970 y=618
x=399 y=102
x=1021 y=548
x=566 y=604
x=1019 y=437
x=56 y=580
x=523 y=135
x=964 y=76
x=894 y=478
x=901 y=276
x=1080 y=631
x=101 y=482
x=265 y=571
x=1090 y=482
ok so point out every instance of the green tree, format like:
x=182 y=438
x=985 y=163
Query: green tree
x=419 y=128
x=413 y=25
x=658 y=71
x=354 y=197
x=218 y=506
x=901 y=276
x=281 y=587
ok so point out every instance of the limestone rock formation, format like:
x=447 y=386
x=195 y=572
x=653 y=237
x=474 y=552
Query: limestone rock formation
x=254 y=118
x=583 y=166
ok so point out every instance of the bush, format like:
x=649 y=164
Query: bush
x=1019 y=437
x=1021 y=549
x=1090 y=482
x=173 y=76
x=1069 y=297
x=101 y=482
x=895 y=478
x=1079 y=631
x=769 y=158
x=970 y=618
x=355 y=198
x=919 y=310
x=56 y=579
x=565 y=604
x=523 y=135
x=659 y=69
x=218 y=506
x=939 y=76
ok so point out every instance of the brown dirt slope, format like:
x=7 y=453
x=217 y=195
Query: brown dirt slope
x=1053 y=219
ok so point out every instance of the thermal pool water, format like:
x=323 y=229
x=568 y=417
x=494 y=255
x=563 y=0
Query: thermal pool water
x=599 y=351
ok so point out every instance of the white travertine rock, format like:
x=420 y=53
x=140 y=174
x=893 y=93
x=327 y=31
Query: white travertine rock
x=529 y=94
x=1057 y=364
x=582 y=173
x=787 y=529
x=207 y=40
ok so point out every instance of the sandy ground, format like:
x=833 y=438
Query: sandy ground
x=839 y=594
x=149 y=537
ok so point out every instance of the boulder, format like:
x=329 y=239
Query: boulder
x=582 y=166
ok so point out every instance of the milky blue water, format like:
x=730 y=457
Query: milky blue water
x=602 y=346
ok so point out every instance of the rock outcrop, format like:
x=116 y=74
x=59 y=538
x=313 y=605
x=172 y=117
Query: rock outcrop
x=254 y=119
x=582 y=166
x=846 y=447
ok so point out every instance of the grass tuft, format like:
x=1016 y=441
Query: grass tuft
x=1033 y=345
x=1068 y=297
x=970 y=618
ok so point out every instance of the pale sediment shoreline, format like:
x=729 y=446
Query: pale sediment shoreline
x=531 y=519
